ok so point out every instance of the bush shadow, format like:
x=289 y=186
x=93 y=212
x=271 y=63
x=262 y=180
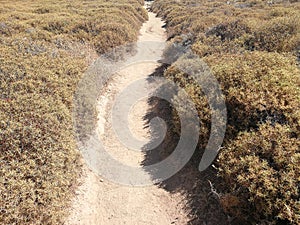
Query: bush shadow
x=200 y=190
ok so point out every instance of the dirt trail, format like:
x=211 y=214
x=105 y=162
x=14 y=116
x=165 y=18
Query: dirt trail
x=101 y=202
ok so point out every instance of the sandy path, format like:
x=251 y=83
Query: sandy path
x=101 y=202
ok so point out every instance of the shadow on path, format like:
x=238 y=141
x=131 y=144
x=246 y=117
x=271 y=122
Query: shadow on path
x=199 y=189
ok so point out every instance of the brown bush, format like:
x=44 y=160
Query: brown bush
x=263 y=133
x=229 y=31
x=259 y=87
x=44 y=50
x=279 y=34
x=265 y=163
x=262 y=95
x=252 y=51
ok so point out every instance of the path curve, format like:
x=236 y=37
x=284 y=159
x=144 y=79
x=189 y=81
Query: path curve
x=101 y=202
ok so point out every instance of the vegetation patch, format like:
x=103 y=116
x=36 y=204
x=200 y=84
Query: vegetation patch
x=45 y=47
x=252 y=49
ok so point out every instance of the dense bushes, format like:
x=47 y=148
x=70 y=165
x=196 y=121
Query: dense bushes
x=45 y=47
x=262 y=166
x=261 y=149
x=259 y=87
x=279 y=34
x=251 y=48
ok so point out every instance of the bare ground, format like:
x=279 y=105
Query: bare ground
x=99 y=201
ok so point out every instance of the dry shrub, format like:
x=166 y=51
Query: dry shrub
x=259 y=87
x=262 y=97
x=261 y=149
x=39 y=72
x=39 y=160
x=263 y=167
x=229 y=30
x=251 y=47
x=214 y=45
x=197 y=96
x=279 y=34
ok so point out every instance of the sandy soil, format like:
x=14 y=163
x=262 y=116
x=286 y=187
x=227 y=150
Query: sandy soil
x=99 y=201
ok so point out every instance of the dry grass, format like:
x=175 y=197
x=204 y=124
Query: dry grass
x=45 y=47
x=252 y=48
